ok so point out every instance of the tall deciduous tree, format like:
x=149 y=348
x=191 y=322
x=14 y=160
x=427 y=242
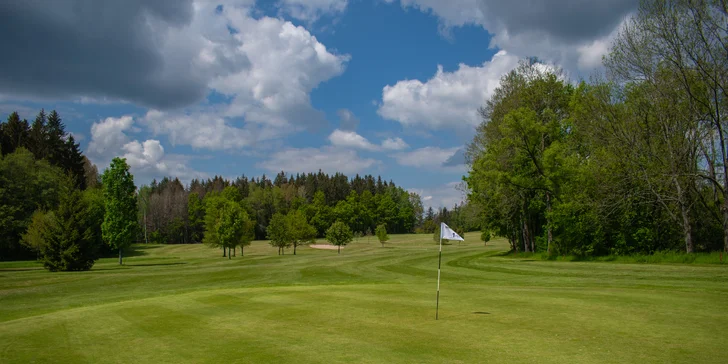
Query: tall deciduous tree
x=278 y=233
x=339 y=234
x=120 y=220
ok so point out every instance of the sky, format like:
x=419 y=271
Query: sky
x=198 y=88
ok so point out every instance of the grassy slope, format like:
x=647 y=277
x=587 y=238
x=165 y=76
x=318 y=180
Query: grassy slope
x=370 y=304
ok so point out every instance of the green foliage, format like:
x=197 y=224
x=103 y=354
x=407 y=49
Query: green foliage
x=278 y=233
x=227 y=225
x=195 y=217
x=34 y=237
x=290 y=230
x=339 y=234
x=26 y=185
x=120 y=219
x=67 y=238
x=485 y=236
x=381 y=232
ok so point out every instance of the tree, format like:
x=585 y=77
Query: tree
x=278 y=233
x=485 y=236
x=68 y=241
x=227 y=225
x=300 y=231
x=195 y=217
x=675 y=50
x=381 y=232
x=26 y=185
x=34 y=237
x=339 y=234
x=120 y=220
x=368 y=233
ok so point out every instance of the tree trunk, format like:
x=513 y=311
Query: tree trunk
x=146 y=239
x=339 y=249
x=687 y=229
x=120 y=255
x=235 y=251
x=725 y=225
x=550 y=231
x=294 y=249
x=526 y=237
x=223 y=252
x=229 y=255
x=241 y=251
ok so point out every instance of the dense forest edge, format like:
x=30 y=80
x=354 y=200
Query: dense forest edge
x=633 y=162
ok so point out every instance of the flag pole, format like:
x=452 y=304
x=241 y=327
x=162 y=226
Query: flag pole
x=439 y=261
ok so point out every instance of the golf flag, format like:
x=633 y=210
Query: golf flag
x=449 y=234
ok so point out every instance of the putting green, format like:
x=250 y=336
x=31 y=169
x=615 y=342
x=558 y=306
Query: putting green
x=368 y=305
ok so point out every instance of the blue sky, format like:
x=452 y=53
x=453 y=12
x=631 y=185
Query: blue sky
x=200 y=88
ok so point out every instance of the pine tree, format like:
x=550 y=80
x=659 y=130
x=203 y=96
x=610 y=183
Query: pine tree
x=73 y=162
x=70 y=242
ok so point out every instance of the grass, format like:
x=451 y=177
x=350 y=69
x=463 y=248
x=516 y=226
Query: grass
x=185 y=303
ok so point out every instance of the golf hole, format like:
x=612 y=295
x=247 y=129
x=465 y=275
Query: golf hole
x=481 y=313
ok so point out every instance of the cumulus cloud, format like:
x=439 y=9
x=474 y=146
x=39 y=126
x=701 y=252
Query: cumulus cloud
x=448 y=99
x=268 y=99
x=394 y=144
x=287 y=62
x=552 y=30
x=147 y=159
x=430 y=158
x=311 y=10
x=351 y=139
x=108 y=136
x=328 y=159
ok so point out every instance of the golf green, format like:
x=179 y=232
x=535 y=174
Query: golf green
x=370 y=304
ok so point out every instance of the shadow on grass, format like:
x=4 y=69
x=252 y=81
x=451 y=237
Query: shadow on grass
x=154 y=264
x=20 y=269
x=139 y=250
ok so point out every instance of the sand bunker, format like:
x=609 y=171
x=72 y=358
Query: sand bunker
x=325 y=246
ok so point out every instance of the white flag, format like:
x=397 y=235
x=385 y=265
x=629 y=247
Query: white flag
x=449 y=234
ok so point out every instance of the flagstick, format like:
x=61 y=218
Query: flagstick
x=439 y=260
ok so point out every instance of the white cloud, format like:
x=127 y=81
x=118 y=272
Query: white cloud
x=446 y=195
x=269 y=98
x=448 y=99
x=312 y=10
x=394 y=144
x=327 y=159
x=147 y=159
x=351 y=139
x=287 y=62
x=108 y=137
x=432 y=158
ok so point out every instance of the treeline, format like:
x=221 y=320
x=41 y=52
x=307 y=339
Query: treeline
x=170 y=212
x=632 y=163
x=47 y=183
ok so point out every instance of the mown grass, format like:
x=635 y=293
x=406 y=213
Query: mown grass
x=185 y=303
x=661 y=257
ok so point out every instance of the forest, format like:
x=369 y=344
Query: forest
x=42 y=166
x=634 y=161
